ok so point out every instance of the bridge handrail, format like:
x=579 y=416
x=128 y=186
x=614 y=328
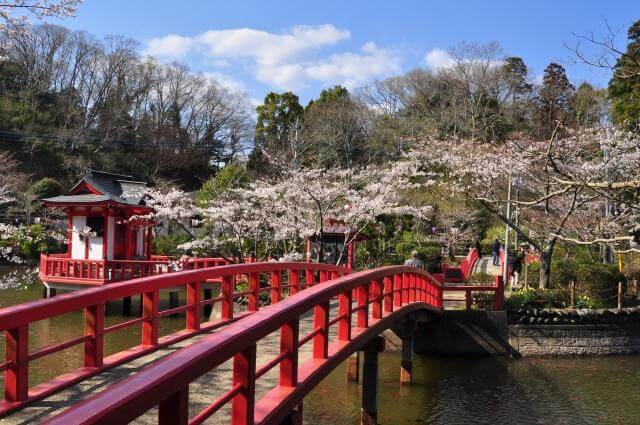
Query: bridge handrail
x=15 y=320
x=385 y=292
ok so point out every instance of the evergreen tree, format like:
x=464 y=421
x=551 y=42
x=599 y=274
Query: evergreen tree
x=555 y=98
x=277 y=117
x=624 y=87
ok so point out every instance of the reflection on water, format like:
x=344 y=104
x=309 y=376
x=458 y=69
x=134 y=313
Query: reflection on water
x=596 y=390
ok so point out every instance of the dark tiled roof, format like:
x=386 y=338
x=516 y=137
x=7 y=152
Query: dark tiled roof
x=85 y=198
x=117 y=187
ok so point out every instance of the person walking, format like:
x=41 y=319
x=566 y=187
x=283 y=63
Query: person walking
x=495 y=250
x=516 y=266
x=414 y=261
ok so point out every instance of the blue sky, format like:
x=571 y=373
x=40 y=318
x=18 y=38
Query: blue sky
x=272 y=45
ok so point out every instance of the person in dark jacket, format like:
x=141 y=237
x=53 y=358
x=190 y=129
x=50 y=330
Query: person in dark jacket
x=495 y=250
x=516 y=266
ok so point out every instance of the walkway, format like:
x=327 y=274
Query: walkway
x=485 y=265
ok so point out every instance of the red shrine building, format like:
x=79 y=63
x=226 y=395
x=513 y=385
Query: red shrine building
x=109 y=233
x=335 y=234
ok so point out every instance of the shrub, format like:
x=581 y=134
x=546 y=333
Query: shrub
x=537 y=298
x=46 y=187
x=168 y=244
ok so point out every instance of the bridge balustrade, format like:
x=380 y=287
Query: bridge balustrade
x=382 y=297
x=278 y=280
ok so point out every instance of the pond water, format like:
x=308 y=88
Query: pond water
x=594 y=390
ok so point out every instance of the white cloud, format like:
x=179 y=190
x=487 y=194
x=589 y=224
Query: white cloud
x=290 y=60
x=169 y=47
x=438 y=59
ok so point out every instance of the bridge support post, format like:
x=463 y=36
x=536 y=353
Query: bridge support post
x=406 y=364
x=369 y=409
x=405 y=333
x=126 y=306
x=353 y=367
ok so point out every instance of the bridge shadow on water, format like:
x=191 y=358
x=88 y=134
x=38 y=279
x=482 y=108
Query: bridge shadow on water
x=489 y=390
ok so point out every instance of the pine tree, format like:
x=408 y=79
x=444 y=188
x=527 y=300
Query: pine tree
x=624 y=87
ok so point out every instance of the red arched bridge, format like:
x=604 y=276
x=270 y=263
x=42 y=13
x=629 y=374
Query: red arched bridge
x=325 y=311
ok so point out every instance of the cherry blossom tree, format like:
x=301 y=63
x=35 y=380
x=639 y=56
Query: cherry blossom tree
x=582 y=188
x=278 y=215
x=15 y=14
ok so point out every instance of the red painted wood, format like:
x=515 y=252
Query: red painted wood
x=344 y=311
x=289 y=345
x=388 y=294
x=193 y=306
x=94 y=329
x=244 y=371
x=376 y=299
x=174 y=410
x=150 y=305
x=294 y=282
x=321 y=340
x=16 y=376
x=254 y=295
x=226 y=290
x=276 y=282
x=397 y=289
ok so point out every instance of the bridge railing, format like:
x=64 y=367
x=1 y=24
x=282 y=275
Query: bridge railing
x=381 y=297
x=279 y=278
x=497 y=289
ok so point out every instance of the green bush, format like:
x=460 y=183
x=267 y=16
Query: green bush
x=46 y=187
x=168 y=244
x=597 y=282
x=537 y=298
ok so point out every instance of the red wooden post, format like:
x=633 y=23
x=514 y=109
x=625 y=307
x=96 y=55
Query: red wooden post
x=321 y=340
x=467 y=298
x=324 y=276
x=193 y=306
x=499 y=297
x=276 y=281
x=412 y=287
x=254 y=296
x=150 y=301
x=397 y=290
x=16 y=376
x=244 y=374
x=405 y=288
x=344 y=310
x=94 y=327
x=226 y=290
x=388 y=297
x=376 y=304
x=309 y=277
x=289 y=343
x=363 y=306
x=439 y=295
x=294 y=282
x=175 y=409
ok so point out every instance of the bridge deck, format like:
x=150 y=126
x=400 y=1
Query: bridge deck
x=201 y=392
x=485 y=265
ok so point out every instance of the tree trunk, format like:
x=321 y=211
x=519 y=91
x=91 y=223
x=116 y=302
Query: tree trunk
x=545 y=266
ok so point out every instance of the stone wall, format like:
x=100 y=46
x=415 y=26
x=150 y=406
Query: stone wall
x=567 y=340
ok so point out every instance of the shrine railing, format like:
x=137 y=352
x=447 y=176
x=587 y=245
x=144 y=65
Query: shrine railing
x=271 y=280
x=382 y=296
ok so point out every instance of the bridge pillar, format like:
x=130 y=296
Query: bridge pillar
x=48 y=292
x=353 y=367
x=406 y=364
x=369 y=409
x=405 y=332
